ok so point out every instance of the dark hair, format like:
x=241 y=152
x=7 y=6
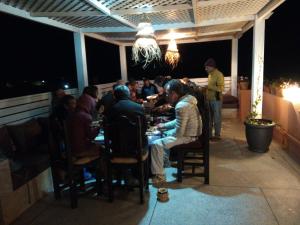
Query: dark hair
x=66 y=99
x=176 y=86
x=114 y=86
x=91 y=91
x=121 y=92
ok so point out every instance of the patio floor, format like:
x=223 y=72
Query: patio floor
x=245 y=188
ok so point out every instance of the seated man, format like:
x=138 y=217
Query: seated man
x=126 y=107
x=148 y=89
x=107 y=101
x=81 y=133
x=185 y=128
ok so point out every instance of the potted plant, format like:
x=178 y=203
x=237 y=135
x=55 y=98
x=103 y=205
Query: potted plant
x=259 y=132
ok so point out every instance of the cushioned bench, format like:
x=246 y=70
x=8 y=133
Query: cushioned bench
x=26 y=148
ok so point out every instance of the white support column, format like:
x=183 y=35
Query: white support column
x=123 y=62
x=81 y=66
x=258 y=65
x=234 y=66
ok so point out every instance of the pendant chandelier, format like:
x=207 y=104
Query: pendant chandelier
x=145 y=48
x=172 y=55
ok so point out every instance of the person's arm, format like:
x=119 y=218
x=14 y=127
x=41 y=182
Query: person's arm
x=220 y=83
x=181 y=121
x=155 y=89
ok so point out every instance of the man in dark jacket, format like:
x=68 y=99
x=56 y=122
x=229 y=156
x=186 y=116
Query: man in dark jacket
x=124 y=106
x=148 y=89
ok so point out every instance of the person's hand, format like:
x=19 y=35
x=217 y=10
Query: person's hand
x=160 y=126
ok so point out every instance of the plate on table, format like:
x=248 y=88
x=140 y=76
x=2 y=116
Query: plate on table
x=152 y=97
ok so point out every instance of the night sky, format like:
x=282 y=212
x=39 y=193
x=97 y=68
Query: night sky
x=31 y=51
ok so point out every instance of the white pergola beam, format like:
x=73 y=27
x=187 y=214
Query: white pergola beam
x=203 y=23
x=264 y=13
x=267 y=9
x=123 y=62
x=81 y=65
x=102 y=38
x=151 y=9
x=215 y=2
x=105 y=10
x=227 y=20
x=234 y=66
x=258 y=65
x=68 y=14
x=195 y=14
x=21 y=13
x=190 y=40
x=164 y=37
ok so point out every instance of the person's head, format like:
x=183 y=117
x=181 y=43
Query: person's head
x=210 y=65
x=120 y=82
x=121 y=92
x=91 y=91
x=69 y=103
x=146 y=82
x=59 y=93
x=86 y=103
x=132 y=85
x=174 y=91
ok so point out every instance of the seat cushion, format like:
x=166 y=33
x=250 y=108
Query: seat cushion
x=26 y=136
x=36 y=161
x=128 y=160
x=8 y=148
x=192 y=145
x=27 y=166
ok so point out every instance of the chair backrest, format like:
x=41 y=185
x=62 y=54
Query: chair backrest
x=203 y=108
x=124 y=137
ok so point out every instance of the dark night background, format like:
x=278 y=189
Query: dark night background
x=31 y=52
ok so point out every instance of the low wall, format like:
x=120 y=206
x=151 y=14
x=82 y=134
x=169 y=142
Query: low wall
x=284 y=113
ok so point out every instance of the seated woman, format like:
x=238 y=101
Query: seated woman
x=148 y=89
x=81 y=133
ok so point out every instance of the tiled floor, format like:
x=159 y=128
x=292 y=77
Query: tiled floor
x=245 y=188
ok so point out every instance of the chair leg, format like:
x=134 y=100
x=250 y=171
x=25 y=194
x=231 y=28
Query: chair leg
x=99 y=185
x=73 y=191
x=206 y=171
x=193 y=169
x=81 y=177
x=55 y=178
x=146 y=169
x=109 y=182
x=141 y=182
x=180 y=156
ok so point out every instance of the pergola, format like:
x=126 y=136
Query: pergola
x=115 y=21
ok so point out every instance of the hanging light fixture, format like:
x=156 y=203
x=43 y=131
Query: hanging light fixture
x=172 y=55
x=145 y=47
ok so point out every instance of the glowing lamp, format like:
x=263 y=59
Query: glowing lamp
x=145 y=47
x=172 y=55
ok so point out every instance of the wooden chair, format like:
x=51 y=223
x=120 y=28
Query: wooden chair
x=73 y=168
x=196 y=153
x=126 y=147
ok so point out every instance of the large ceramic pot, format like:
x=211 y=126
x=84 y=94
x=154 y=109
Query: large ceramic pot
x=259 y=134
x=244 y=85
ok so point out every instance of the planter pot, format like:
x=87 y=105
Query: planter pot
x=279 y=92
x=259 y=136
x=244 y=85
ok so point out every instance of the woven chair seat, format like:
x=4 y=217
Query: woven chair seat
x=84 y=160
x=128 y=160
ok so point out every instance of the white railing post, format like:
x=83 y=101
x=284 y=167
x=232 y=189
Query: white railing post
x=234 y=66
x=123 y=62
x=81 y=66
x=258 y=65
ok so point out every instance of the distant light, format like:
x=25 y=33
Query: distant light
x=43 y=81
x=66 y=86
x=291 y=93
